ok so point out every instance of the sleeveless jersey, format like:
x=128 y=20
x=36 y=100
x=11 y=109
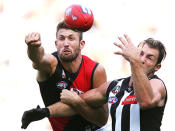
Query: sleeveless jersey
x=125 y=110
x=80 y=82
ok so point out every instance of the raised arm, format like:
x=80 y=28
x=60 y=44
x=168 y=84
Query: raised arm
x=149 y=93
x=46 y=63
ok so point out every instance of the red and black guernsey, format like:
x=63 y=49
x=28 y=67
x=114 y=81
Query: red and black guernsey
x=81 y=81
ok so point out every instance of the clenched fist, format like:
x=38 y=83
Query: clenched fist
x=33 y=39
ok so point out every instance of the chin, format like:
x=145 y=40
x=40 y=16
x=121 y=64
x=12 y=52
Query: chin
x=68 y=58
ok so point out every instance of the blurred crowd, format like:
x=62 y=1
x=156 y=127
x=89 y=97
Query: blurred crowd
x=138 y=18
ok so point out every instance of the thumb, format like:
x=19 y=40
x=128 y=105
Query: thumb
x=118 y=53
x=38 y=107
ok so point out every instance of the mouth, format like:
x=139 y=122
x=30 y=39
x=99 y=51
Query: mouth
x=66 y=51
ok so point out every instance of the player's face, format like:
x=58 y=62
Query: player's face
x=149 y=57
x=68 y=45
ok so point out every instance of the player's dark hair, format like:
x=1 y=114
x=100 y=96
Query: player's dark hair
x=62 y=25
x=156 y=44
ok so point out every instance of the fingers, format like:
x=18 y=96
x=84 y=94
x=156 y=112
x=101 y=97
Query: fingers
x=118 y=53
x=141 y=45
x=124 y=44
x=33 y=39
x=122 y=41
x=63 y=93
x=25 y=120
x=118 y=45
x=125 y=41
x=128 y=39
x=25 y=124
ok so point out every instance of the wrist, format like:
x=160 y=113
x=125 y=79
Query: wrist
x=46 y=112
x=78 y=101
x=135 y=62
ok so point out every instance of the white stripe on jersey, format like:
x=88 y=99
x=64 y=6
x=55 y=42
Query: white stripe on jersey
x=134 y=112
x=119 y=113
x=135 y=117
x=111 y=94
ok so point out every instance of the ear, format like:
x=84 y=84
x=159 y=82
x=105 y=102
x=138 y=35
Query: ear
x=56 y=43
x=157 y=67
x=82 y=43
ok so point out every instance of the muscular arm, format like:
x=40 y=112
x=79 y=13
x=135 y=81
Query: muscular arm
x=60 y=109
x=90 y=105
x=44 y=63
x=95 y=97
x=149 y=93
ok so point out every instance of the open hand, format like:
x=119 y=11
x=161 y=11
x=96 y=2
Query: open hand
x=128 y=50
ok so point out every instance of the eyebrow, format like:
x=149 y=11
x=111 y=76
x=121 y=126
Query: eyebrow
x=151 y=55
x=65 y=35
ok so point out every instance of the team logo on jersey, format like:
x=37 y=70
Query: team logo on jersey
x=62 y=85
x=130 y=100
x=116 y=89
x=112 y=100
x=129 y=89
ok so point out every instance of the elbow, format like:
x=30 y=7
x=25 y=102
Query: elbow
x=102 y=121
x=146 y=105
x=35 y=66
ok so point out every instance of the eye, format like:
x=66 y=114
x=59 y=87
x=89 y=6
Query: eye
x=150 y=58
x=61 y=38
x=71 y=38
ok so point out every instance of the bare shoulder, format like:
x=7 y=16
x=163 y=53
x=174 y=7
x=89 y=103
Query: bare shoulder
x=100 y=76
x=100 y=69
x=159 y=89
x=158 y=85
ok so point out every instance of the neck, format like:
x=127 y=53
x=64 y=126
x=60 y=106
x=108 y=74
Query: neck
x=150 y=75
x=74 y=65
x=130 y=81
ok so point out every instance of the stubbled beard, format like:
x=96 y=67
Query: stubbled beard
x=151 y=72
x=69 y=58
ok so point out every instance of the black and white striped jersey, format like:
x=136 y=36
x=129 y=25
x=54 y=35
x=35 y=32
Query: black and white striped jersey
x=125 y=110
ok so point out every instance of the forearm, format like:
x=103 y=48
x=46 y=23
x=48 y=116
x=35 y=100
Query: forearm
x=97 y=116
x=142 y=86
x=60 y=109
x=35 y=53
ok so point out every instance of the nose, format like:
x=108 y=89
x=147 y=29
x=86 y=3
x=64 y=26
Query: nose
x=66 y=42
